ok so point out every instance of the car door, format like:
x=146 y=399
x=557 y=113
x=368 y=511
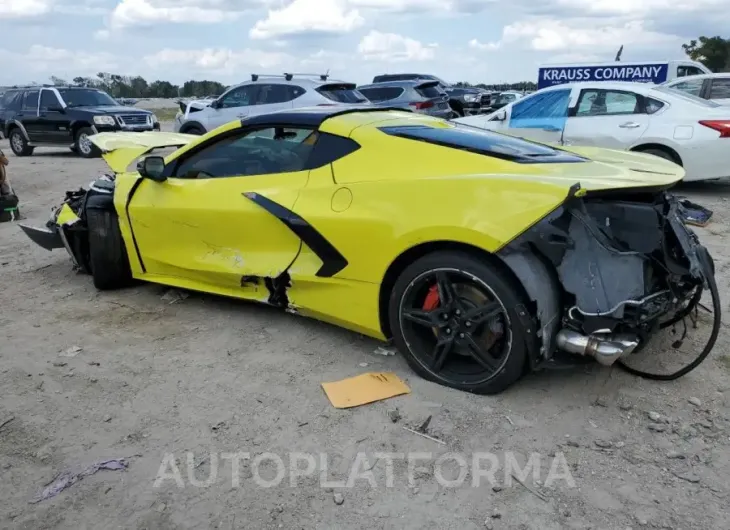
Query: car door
x=720 y=90
x=206 y=223
x=54 y=124
x=614 y=119
x=28 y=115
x=234 y=105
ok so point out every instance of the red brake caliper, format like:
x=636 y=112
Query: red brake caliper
x=432 y=298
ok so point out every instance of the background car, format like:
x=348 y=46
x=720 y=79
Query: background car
x=420 y=96
x=502 y=99
x=65 y=115
x=715 y=87
x=265 y=94
x=689 y=131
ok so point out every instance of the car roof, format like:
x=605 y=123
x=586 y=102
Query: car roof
x=312 y=116
x=279 y=80
x=402 y=84
x=641 y=88
x=722 y=75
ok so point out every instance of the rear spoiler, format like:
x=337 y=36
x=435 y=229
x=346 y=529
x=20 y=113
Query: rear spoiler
x=426 y=84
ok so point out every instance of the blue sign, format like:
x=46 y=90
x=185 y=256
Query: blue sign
x=639 y=73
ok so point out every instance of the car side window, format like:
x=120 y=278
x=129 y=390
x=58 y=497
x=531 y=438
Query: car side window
x=691 y=86
x=48 y=100
x=30 y=103
x=607 y=103
x=260 y=152
x=271 y=94
x=652 y=105
x=239 y=97
x=720 y=88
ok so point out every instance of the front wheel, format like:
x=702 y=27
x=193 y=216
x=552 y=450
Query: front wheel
x=82 y=144
x=459 y=322
x=18 y=143
x=108 y=258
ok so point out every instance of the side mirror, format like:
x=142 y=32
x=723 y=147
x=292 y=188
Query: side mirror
x=216 y=104
x=501 y=116
x=152 y=167
x=56 y=108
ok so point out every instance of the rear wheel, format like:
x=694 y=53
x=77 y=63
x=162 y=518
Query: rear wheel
x=661 y=154
x=458 y=323
x=108 y=258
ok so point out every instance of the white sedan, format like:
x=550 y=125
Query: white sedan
x=690 y=131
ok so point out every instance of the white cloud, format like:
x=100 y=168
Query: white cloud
x=306 y=16
x=391 y=47
x=24 y=8
x=575 y=35
x=146 y=12
x=637 y=7
x=217 y=60
x=57 y=61
x=476 y=45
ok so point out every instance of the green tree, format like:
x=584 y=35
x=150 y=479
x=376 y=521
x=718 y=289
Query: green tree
x=713 y=52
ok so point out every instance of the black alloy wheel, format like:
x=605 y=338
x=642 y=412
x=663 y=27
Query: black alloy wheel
x=458 y=324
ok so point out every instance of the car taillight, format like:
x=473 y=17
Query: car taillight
x=721 y=126
x=422 y=105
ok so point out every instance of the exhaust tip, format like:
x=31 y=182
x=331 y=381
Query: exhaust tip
x=604 y=348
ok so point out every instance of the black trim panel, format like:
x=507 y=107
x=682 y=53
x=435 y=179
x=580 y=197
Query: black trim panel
x=332 y=261
x=313 y=116
x=129 y=220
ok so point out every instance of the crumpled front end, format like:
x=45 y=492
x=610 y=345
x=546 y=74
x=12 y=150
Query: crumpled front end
x=608 y=271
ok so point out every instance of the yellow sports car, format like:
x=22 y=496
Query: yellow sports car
x=481 y=255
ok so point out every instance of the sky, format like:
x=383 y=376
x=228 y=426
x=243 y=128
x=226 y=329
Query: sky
x=487 y=41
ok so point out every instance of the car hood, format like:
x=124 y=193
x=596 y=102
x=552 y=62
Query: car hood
x=119 y=149
x=111 y=109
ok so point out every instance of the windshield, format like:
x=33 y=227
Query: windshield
x=505 y=98
x=689 y=97
x=75 y=97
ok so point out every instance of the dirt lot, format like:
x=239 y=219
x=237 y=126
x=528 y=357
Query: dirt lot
x=208 y=376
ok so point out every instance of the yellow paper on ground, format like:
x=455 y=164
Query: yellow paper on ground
x=363 y=389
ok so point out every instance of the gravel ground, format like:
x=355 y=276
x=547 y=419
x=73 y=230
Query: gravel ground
x=88 y=376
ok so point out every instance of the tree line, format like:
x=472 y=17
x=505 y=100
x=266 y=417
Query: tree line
x=713 y=52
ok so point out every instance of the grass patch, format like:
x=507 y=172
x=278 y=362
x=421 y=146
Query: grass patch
x=164 y=114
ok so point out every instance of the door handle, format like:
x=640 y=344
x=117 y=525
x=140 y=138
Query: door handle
x=630 y=125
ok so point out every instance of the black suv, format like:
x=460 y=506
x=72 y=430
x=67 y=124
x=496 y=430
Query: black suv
x=465 y=101
x=42 y=115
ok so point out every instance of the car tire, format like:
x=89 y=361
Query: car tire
x=195 y=130
x=108 y=258
x=18 y=144
x=660 y=153
x=83 y=146
x=493 y=373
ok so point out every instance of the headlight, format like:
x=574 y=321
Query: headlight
x=104 y=120
x=471 y=98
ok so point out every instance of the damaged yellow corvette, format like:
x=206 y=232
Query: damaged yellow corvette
x=481 y=255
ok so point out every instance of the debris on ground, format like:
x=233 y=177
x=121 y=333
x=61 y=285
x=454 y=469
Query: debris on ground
x=174 y=296
x=68 y=478
x=694 y=214
x=423 y=428
x=4 y=423
x=338 y=498
x=694 y=401
x=364 y=389
x=386 y=352
x=73 y=351
x=425 y=436
x=394 y=415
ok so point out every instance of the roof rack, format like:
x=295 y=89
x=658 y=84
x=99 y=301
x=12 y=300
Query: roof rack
x=290 y=76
